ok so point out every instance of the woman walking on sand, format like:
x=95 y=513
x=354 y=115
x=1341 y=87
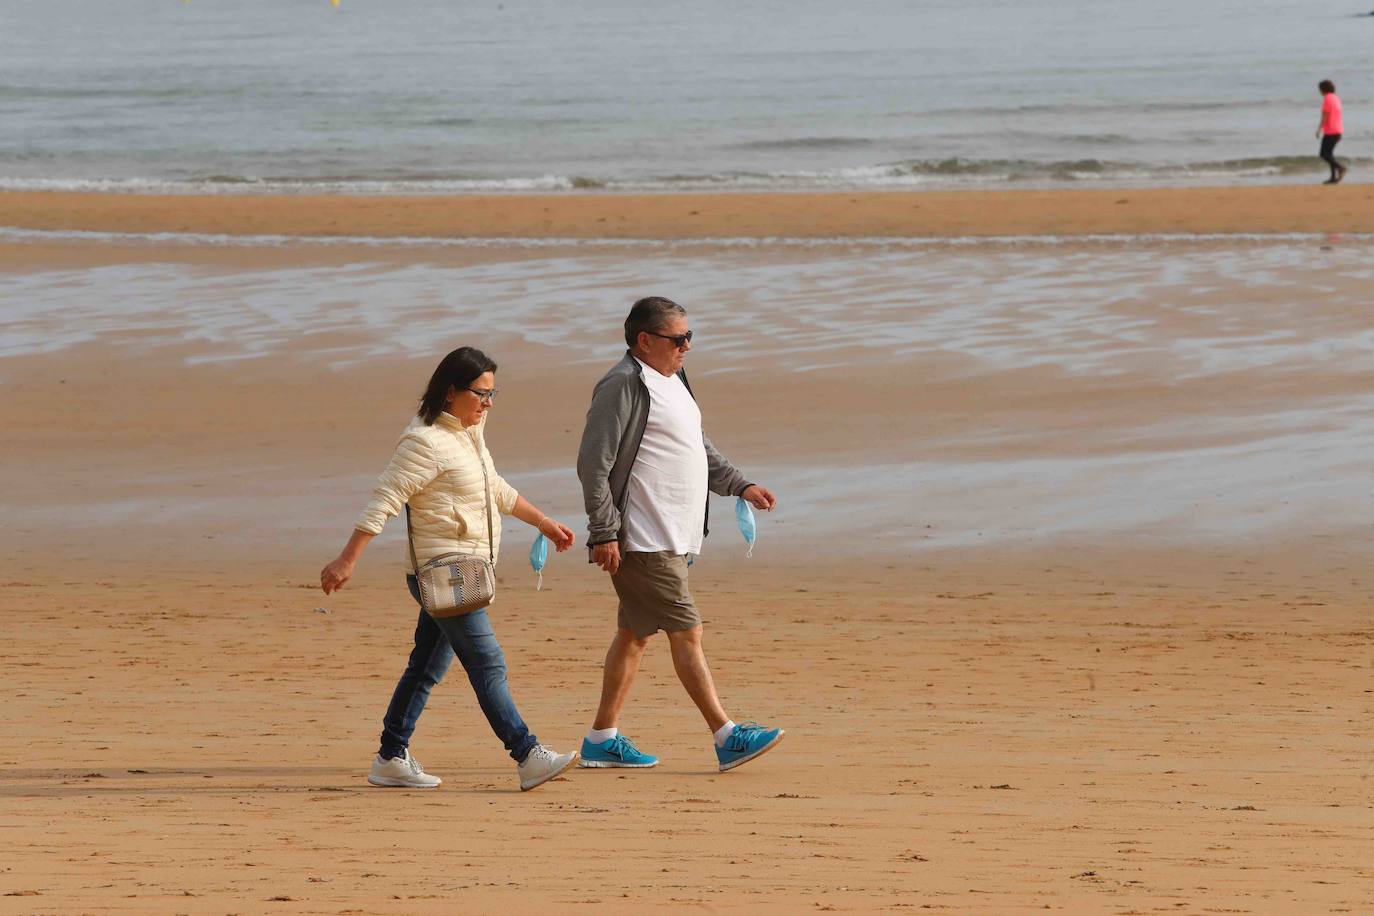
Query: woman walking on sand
x=439 y=474
x=1329 y=130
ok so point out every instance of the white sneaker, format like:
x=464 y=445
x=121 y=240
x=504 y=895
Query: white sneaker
x=541 y=765
x=404 y=772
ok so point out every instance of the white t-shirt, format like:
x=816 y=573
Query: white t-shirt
x=666 y=495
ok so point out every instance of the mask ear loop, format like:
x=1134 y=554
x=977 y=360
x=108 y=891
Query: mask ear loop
x=539 y=581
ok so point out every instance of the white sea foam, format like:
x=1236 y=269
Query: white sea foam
x=897 y=176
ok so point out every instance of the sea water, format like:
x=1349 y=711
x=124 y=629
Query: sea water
x=427 y=96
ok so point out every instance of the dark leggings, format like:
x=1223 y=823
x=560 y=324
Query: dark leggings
x=1329 y=154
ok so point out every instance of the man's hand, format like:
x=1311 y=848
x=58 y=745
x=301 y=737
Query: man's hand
x=333 y=576
x=759 y=497
x=607 y=556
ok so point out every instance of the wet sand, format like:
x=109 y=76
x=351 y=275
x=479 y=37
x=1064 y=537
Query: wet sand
x=1138 y=211
x=1168 y=714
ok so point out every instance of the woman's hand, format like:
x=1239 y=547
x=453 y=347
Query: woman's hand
x=556 y=531
x=551 y=528
x=333 y=576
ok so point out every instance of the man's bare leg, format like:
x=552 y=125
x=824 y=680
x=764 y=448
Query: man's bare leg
x=690 y=663
x=622 y=664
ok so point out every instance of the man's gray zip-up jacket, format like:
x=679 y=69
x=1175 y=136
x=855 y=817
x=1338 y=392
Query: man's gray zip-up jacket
x=610 y=443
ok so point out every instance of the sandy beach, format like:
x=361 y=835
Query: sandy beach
x=1065 y=605
x=938 y=214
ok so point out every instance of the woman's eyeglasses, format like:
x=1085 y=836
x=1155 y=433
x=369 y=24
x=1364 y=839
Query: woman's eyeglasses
x=679 y=340
x=486 y=396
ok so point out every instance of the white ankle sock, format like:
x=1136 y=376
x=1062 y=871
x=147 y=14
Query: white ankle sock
x=724 y=732
x=601 y=735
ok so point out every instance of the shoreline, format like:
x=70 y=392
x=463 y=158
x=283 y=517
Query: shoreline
x=1272 y=209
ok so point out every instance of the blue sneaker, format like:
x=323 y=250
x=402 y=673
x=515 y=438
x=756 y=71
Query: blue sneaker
x=746 y=742
x=618 y=752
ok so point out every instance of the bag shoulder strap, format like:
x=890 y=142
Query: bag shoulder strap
x=486 y=504
x=410 y=542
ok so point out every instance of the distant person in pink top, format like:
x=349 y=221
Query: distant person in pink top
x=1329 y=130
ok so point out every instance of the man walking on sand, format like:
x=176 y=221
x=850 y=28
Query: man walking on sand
x=645 y=467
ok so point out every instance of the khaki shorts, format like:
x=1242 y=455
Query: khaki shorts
x=652 y=587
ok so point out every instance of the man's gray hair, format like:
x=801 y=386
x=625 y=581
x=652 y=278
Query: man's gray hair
x=651 y=313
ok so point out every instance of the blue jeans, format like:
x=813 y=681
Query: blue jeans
x=436 y=641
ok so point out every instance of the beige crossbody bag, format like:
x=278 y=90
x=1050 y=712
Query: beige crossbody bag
x=453 y=584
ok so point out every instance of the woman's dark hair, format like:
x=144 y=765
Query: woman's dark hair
x=457 y=370
x=650 y=314
x=1326 y=86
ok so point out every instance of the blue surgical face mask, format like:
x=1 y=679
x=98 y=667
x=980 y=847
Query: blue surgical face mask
x=744 y=516
x=539 y=555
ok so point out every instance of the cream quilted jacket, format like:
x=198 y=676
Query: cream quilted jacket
x=438 y=470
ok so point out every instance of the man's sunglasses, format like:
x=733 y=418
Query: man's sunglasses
x=679 y=340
